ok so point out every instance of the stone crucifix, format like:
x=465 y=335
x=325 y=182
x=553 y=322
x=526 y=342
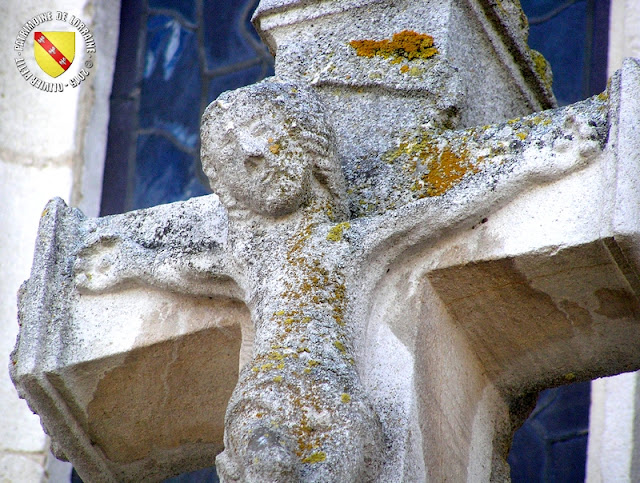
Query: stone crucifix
x=393 y=305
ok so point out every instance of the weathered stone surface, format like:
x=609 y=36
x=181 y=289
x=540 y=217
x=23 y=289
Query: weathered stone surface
x=139 y=377
x=481 y=73
x=373 y=308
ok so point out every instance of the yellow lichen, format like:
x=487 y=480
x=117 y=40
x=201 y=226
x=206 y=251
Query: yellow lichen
x=345 y=398
x=335 y=233
x=542 y=68
x=406 y=44
x=316 y=457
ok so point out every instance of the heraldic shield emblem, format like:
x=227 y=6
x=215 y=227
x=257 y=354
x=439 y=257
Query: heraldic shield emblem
x=54 y=51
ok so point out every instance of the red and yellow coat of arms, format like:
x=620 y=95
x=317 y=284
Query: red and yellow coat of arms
x=54 y=51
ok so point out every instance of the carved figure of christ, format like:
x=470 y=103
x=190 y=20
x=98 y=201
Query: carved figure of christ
x=289 y=251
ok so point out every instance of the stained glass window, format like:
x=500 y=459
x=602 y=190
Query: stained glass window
x=174 y=58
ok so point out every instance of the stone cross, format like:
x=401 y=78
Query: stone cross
x=387 y=275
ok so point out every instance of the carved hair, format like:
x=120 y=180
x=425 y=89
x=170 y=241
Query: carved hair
x=304 y=118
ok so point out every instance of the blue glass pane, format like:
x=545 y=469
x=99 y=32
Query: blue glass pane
x=229 y=36
x=562 y=39
x=538 y=10
x=568 y=462
x=207 y=475
x=163 y=172
x=222 y=83
x=527 y=455
x=552 y=444
x=564 y=411
x=170 y=96
x=186 y=8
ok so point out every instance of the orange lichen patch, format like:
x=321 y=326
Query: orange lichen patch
x=404 y=69
x=435 y=165
x=408 y=44
x=274 y=148
x=447 y=171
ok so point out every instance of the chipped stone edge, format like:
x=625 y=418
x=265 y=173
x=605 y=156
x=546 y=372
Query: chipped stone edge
x=29 y=359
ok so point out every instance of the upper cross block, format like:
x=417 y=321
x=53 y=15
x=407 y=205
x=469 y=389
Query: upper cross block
x=405 y=65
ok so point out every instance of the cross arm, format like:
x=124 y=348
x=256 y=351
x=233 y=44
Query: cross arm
x=179 y=246
x=161 y=294
x=451 y=178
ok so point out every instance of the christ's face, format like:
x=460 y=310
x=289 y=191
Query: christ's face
x=262 y=165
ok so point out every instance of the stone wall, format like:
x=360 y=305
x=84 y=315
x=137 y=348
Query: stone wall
x=613 y=424
x=52 y=144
